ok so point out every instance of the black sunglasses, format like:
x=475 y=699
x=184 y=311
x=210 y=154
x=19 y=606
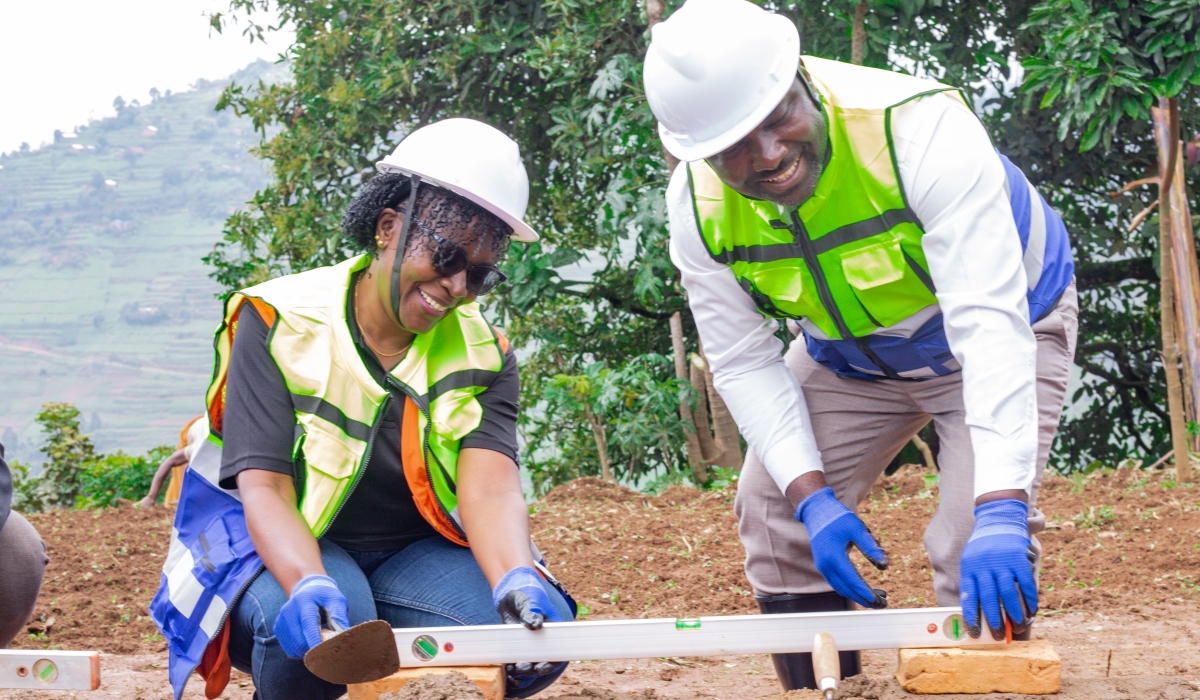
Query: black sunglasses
x=449 y=259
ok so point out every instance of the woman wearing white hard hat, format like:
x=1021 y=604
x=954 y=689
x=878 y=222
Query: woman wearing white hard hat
x=367 y=417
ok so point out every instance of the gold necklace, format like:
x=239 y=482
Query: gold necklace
x=364 y=333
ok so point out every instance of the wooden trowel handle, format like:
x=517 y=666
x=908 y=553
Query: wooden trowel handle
x=826 y=664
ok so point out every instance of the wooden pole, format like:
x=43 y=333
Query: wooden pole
x=695 y=456
x=1168 y=157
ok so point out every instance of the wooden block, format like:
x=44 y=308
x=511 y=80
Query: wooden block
x=1032 y=667
x=489 y=679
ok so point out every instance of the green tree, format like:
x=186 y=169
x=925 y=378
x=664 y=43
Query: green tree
x=67 y=450
x=1100 y=66
x=564 y=80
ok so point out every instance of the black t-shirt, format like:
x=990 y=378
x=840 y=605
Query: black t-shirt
x=260 y=428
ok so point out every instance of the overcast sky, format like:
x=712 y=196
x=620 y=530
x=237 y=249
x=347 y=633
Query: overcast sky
x=63 y=61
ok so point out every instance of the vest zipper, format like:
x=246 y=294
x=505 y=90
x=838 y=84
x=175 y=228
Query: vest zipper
x=425 y=449
x=814 y=266
x=358 y=477
x=800 y=234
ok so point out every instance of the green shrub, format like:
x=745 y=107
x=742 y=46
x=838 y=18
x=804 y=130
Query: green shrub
x=119 y=476
x=29 y=493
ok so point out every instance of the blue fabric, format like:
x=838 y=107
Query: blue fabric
x=832 y=528
x=927 y=351
x=431 y=583
x=298 y=625
x=1058 y=265
x=210 y=527
x=996 y=567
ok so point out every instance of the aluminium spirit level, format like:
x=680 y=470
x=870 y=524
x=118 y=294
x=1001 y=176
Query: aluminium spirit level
x=43 y=669
x=700 y=636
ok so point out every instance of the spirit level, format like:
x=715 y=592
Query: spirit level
x=700 y=636
x=49 y=670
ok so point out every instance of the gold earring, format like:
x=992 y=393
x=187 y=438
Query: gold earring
x=379 y=242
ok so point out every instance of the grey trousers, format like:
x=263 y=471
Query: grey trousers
x=23 y=563
x=860 y=426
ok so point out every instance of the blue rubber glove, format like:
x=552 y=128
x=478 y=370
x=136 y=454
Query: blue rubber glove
x=997 y=567
x=298 y=625
x=832 y=528
x=521 y=599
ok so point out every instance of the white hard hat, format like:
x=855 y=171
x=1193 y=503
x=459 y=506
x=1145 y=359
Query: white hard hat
x=714 y=70
x=470 y=159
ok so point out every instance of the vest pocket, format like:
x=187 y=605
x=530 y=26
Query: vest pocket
x=884 y=282
x=211 y=554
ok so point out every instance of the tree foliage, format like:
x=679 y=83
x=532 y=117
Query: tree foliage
x=592 y=298
x=67 y=451
x=75 y=475
x=1097 y=67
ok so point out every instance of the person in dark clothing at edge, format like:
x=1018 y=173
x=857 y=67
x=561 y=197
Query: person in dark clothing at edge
x=367 y=417
x=22 y=563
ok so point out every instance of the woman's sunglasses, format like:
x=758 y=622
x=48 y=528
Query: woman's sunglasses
x=449 y=259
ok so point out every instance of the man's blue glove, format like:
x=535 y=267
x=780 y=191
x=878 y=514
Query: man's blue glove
x=298 y=626
x=521 y=599
x=832 y=528
x=997 y=567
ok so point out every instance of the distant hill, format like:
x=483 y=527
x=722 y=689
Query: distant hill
x=104 y=299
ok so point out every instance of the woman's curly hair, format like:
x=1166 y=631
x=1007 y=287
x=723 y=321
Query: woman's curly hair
x=439 y=209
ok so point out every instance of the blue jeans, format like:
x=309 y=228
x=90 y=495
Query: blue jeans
x=430 y=583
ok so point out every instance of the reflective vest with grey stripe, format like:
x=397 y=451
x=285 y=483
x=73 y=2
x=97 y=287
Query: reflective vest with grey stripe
x=917 y=348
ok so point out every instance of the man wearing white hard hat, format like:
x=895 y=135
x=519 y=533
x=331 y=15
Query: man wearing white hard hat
x=924 y=277
x=361 y=460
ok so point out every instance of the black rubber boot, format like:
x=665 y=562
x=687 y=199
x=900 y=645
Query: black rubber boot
x=795 y=671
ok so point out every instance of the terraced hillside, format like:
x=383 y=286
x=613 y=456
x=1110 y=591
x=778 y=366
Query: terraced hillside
x=104 y=299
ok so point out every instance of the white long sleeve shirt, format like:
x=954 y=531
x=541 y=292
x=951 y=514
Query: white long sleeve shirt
x=957 y=186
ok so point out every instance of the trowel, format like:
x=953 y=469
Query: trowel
x=361 y=654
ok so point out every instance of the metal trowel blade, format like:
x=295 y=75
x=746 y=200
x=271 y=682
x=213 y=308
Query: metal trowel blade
x=361 y=654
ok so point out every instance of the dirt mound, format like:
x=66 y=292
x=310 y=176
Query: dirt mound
x=437 y=686
x=104 y=570
x=624 y=554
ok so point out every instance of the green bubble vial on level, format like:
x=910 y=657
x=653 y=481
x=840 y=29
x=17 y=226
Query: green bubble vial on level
x=955 y=627
x=687 y=623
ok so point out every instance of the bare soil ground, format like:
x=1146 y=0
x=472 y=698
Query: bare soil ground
x=1120 y=586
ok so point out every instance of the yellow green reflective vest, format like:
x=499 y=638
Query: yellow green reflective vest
x=849 y=259
x=339 y=405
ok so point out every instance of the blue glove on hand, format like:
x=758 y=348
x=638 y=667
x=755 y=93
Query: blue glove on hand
x=997 y=567
x=298 y=626
x=832 y=528
x=521 y=599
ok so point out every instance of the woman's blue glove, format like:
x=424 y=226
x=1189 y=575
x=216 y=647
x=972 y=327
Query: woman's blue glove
x=997 y=567
x=832 y=528
x=298 y=626
x=521 y=599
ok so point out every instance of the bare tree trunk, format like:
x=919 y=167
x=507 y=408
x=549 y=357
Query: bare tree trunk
x=725 y=430
x=709 y=449
x=1170 y=359
x=1178 y=296
x=695 y=455
x=926 y=453
x=858 y=34
x=601 y=436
